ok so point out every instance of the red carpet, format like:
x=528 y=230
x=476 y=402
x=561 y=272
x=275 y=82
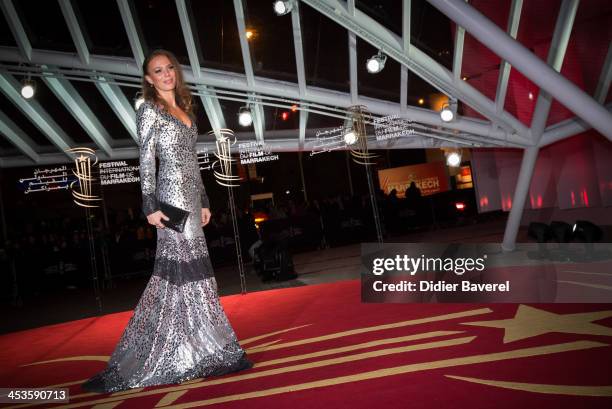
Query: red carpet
x=554 y=355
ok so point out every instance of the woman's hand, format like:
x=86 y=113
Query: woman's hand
x=205 y=216
x=155 y=219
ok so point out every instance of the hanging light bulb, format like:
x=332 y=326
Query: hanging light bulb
x=28 y=89
x=245 y=117
x=376 y=63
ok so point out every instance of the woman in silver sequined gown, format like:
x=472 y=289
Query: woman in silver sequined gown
x=179 y=330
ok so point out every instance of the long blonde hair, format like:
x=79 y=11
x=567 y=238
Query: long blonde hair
x=182 y=93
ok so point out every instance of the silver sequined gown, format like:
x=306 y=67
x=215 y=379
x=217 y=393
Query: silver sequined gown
x=179 y=330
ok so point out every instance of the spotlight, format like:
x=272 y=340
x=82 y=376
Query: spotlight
x=453 y=158
x=448 y=111
x=350 y=137
x=587 y=231
x=245 y=118
x=376 y=63
x=282 y=7
x=539 y=231
x=561 y=231
x=421 y=101
x=249 y=34
x=446 y=114
x=138 y=102
x=28 y=89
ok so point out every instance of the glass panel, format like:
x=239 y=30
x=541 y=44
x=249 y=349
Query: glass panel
x=535 y=32
x=479 y=68
x=130 y=93
x=230 y=111
x=96 y=18
x=161 y=27
x=326 y=61
x=60 y=115
x=45 y=25
x=5 y=144
x=420 y=93
x=586 y=52
x=386 y=12
x=7 y=107
x=385 y=84
x=272 y=48
x=6 y=37
x=281 y=118
x=215 y=27
x=318 y=121
x=96 y=102
x=431 y=32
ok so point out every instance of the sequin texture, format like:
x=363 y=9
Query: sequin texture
x=179 y=330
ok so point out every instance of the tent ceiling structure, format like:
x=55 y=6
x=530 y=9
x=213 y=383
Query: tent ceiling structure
x=73 y=54
x=277 y=67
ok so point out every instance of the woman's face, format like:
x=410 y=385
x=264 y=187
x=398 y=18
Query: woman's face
x=161 y=73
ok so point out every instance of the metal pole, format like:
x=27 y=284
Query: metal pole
x=348 y=172
x=520 y=195
x=237 y=240
x=92 y=259
x=373 y=200
x=302 y=176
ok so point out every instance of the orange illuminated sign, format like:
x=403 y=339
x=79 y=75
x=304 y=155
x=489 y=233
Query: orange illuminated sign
x=430 y=178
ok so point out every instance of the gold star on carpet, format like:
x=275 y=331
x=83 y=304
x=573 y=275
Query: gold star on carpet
x=530 y=322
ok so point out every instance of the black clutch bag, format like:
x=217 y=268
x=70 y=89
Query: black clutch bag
x=178 y=217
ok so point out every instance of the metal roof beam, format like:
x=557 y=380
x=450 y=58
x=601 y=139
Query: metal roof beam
x=605 y=78
x=267 y=86
x=504 y=70
x=12 y=18
x=424 y=66
x=458 y=51
x=119 y=103
x=209 y=102
x=257 y=111
x=18 y=137
x=78 y=108
x=406 y=13
x=35 y=112
x=278 y=141
x=75 y=30
x=132 y=28
x=302 y=132
x=556 y=54
x=192 y=51
x=299 y=51
x=565 y=129
x=213 y=110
